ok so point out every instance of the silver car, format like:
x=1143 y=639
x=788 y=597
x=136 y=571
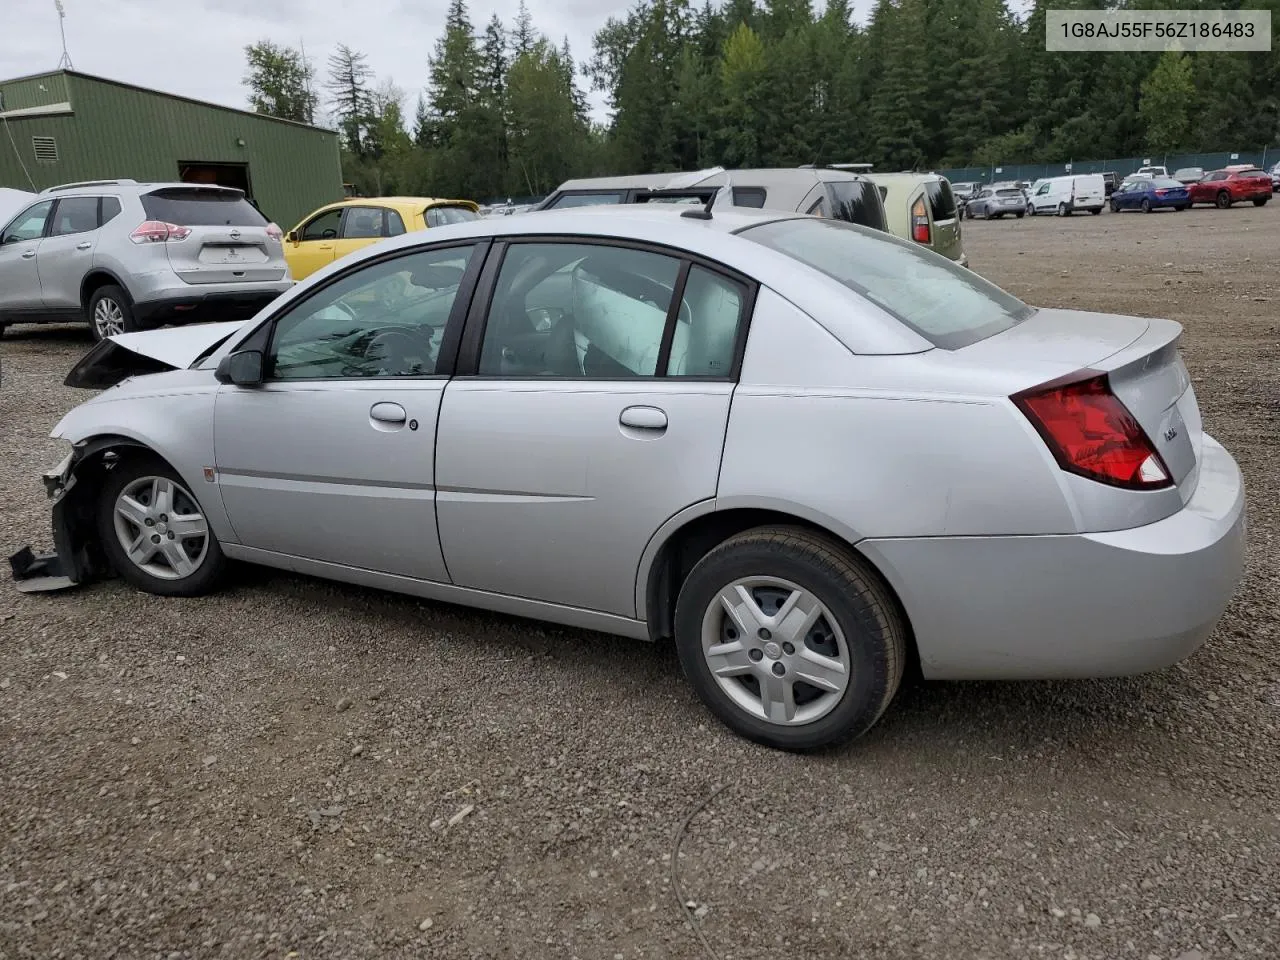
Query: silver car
x=808 y=452
x=995 y=201
x=124 y=256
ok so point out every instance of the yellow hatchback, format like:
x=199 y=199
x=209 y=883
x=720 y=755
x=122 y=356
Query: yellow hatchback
x=344 y=227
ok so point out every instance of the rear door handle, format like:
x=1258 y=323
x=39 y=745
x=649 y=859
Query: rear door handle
x=28 y=254
x=643 y=418
x=84 y=246
x=386 y=412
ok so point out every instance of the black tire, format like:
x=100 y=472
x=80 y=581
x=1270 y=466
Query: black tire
x=113 y=295
x=209 y=570
x=1062 y=210
x=1180 y=207
x=1115 y=207
x=1095 y=211
x=1019 y=215
x=1223 y=200
x=854 y=595
x=997 y=216
x=1146 y=205
x=1261 y=201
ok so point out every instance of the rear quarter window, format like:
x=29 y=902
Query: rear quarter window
x=857 y=201
x=188 y=207
x=942 y=202
x=949 y=306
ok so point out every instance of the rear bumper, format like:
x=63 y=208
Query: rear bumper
x=192 y=304
x=1083 y=605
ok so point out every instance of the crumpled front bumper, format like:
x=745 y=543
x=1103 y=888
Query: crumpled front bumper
x=69 y=562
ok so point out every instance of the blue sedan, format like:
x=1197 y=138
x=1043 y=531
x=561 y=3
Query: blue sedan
x=1149 y=193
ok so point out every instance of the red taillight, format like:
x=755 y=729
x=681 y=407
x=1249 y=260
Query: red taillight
x=158 y=231
x=274 y=232
x=1091 y=433
x=919 y=222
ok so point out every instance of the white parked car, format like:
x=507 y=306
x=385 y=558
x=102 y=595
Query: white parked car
x=1065 y=195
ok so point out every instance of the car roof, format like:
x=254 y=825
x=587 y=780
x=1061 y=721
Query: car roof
x=823 y=298
x=413 y=202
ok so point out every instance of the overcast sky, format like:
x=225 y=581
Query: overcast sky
x=196 y=47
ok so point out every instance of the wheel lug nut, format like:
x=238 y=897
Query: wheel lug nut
x=788 y=648
x=778 y=669
x=756 y=655
x=171 y=536
x=149 y=522
x=155 y=538
x=764 y=634
x=164 y=518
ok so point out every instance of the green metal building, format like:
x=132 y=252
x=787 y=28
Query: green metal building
x=66 y=126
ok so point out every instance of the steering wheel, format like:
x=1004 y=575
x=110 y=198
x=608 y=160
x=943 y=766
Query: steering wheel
x=396 y=347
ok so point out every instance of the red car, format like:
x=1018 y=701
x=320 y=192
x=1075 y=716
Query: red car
x=1232 y=185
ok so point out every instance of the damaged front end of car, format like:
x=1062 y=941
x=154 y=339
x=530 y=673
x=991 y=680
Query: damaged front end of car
x=76 y=557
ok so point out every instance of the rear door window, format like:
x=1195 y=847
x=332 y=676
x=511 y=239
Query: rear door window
x=362 y=223
x=942 y=202
x=949 y=306
x=74 y=215
x=201 y=207
x=856 y=202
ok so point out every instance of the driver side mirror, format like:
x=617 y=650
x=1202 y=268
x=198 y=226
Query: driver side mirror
x=243 y=368
x=292 y=236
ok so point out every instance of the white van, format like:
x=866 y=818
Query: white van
x=1065 y=195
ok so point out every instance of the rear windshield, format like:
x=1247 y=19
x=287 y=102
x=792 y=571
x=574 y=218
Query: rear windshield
x=201 y=208
x=942 y=204
x=857 y=201
x=948 y=305
x=1164 y=183
x=1255 y=172
x=442 y=216
x=1011 y=192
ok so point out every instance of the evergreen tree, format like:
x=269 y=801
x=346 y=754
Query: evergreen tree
x=348 y=86
x=279 y=81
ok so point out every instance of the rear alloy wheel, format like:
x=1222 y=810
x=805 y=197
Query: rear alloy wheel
x=1224 y=200
x=110 y=312
x=1146 y=205
x=788 y=639
x=154 y=531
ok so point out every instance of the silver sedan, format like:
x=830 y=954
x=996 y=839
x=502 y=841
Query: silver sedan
x=808 y=453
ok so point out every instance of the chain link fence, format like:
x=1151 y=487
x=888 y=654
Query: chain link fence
x=1124 y=166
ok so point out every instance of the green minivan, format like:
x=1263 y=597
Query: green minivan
x=921 y=207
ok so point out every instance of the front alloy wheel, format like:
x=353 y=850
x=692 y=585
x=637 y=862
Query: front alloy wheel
x=155 y=533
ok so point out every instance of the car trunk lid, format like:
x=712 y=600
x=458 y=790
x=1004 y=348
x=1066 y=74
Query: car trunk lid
x=226 y=240
x=1140 y=357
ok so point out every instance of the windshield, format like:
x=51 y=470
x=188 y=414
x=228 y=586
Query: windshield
x=948 y=305
x=857 y=201
x=201 y=207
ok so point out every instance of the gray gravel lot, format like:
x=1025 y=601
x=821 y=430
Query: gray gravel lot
x=293 y=768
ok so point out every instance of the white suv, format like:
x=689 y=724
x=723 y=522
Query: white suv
x=123 y=256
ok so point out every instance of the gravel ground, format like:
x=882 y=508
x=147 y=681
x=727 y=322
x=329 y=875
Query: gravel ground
x=294 y=768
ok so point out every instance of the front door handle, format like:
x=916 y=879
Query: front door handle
x=643 y=418
x=28 y=254
x=84 y=246
x=386 y=412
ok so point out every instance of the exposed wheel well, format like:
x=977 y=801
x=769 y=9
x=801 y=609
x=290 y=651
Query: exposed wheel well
x=694 y=540
x=75 y=512
x=95 y=280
